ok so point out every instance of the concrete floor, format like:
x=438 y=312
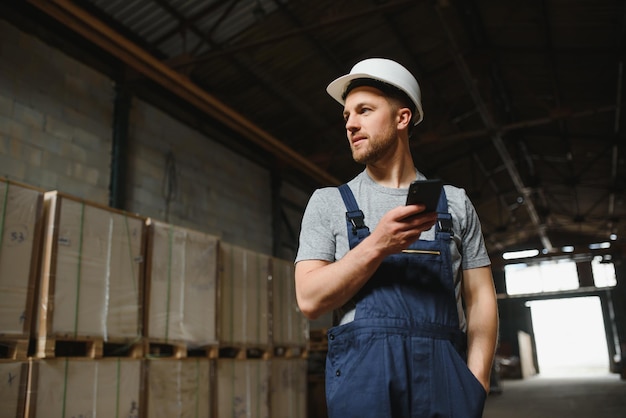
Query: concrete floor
x=573 y=396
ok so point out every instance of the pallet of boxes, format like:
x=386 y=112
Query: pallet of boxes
x=261 y=369
x=208 y=329
x=243 y=363
x=21 y=222
x=180 y=321
x=107 y=313
x=88 y=353
x=290 y=339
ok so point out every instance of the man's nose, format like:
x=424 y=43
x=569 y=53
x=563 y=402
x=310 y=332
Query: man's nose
x=351 y=124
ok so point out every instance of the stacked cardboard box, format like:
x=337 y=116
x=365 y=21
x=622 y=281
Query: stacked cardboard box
x=179 y=388
x=242 y=387
x=289 y=326
x=13 y=388
x=244 y=299
x=84 y=388
x=288 y=386
x=78 y=267
x=92 y=276
x=181 y=285
x=21 y=220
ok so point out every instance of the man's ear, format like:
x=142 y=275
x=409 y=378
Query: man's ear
x=404 y=117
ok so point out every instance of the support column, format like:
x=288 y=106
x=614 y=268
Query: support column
x=119 y=149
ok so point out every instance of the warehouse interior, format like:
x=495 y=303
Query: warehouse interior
x=212 y=116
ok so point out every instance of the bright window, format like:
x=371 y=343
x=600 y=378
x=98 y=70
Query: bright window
x=548 y=276
x=603 y=273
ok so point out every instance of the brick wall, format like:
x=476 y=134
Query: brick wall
x=212 y=189
x=55 y=118
x=56 y=133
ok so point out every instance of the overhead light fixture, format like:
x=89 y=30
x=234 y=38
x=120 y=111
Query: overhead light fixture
x=600 y=245
x=568 y=249
x=513 y=255
x=613 y=237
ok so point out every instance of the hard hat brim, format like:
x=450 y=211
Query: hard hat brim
x=338 y=86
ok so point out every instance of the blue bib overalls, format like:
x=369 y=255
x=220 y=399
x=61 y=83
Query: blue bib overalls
x=404 y=354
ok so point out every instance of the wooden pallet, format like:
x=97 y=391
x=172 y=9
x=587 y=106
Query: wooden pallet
x=165 y=349
x=211 y=351
x=178 y=349
x=14 y=349
x=244 y=353
x=88 y=347
x=290 y=352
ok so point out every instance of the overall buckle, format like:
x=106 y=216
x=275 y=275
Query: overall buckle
x=357 y=219
x=445 y=224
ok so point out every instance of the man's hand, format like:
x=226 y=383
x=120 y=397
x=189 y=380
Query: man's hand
x=400 y=227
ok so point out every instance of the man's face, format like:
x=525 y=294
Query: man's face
x=371 y=125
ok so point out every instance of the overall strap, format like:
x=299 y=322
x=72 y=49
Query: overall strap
x=355 y=219
x=444 y=218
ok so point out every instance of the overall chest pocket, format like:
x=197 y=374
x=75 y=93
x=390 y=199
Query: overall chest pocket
x=419 y=265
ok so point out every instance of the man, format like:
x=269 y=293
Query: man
x=412 y=292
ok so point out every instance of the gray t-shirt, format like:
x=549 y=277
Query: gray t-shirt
x=324 y=236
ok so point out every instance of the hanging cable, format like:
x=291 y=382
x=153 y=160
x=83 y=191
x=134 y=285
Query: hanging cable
x=170 y=183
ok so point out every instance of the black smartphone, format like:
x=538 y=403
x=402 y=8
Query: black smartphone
x=425 y=192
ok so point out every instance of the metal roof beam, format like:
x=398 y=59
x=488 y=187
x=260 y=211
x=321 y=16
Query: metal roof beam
x=184 y=22
x=75 y=18
x=305 y=29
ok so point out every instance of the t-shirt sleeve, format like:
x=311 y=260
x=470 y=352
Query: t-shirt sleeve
x=317 y=239
x=474 y=251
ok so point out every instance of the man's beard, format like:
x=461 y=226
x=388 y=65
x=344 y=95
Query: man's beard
x=375 y=150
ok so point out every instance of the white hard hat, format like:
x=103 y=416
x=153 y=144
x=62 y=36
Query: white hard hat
x=384 y=70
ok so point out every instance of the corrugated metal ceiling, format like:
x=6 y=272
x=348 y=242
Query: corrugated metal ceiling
x=181 y=26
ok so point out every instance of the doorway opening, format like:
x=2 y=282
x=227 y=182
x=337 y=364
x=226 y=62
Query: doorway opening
x=570 y=337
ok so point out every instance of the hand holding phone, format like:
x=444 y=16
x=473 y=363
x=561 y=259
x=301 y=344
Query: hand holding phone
x=425 y=192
